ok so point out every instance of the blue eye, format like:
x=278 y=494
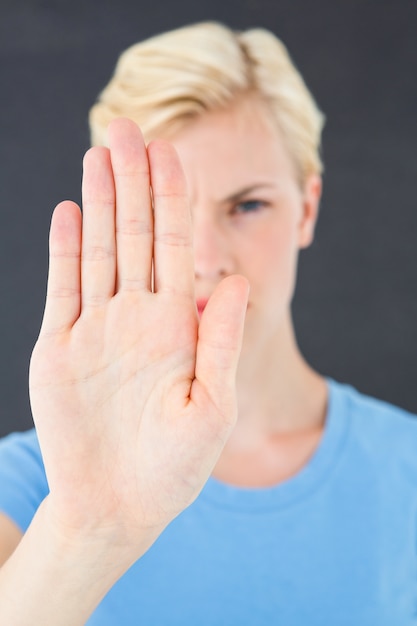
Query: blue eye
x=249 y=206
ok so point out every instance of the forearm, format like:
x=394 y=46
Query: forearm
x=55 y=581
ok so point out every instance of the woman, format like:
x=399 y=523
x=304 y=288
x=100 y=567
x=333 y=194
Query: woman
x=184 y=484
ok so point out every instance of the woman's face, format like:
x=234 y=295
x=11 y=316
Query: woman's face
x=250 y=215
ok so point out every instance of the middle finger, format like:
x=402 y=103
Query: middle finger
x=134 y=219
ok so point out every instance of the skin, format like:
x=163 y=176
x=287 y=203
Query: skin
x=136 y=400
x=251 y=217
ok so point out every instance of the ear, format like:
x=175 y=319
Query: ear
x=311 y=202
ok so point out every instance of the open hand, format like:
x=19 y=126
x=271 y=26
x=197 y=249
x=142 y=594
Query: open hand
x=133 y=397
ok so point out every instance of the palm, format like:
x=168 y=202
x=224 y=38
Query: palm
x=132 y=397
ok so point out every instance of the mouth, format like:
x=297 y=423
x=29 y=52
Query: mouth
x=201 y=305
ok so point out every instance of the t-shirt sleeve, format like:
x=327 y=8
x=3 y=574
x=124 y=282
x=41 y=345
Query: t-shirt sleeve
x=23 y=483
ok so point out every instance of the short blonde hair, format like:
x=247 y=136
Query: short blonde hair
x=165 y=81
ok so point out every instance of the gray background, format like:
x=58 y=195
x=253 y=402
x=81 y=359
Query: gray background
x=356 y=303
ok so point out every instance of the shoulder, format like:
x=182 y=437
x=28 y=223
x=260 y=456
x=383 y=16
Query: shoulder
x=371 y=411
x=22 y=477
x=20 y=448
x=27 y=440
x=384 y=432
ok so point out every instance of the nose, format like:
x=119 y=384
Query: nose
x=213 y=257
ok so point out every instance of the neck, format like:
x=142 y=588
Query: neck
x=278 y=392
x=282 y=405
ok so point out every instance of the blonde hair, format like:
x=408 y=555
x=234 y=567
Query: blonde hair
x=165 y=81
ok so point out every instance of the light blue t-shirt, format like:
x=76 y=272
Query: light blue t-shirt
x=336 y=545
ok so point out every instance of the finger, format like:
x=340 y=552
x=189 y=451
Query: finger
x=98 y=267
x=219 y=342
x=173 y=251
x=63 y=298
x=134 y=219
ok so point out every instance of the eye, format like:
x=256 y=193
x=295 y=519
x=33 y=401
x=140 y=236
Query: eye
x=249 y=206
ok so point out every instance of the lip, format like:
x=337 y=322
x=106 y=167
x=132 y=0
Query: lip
x=201 y=304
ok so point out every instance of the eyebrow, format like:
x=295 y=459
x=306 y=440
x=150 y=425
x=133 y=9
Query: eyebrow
x=246 y=190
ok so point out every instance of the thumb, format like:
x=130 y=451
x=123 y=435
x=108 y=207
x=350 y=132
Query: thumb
x=220 y=340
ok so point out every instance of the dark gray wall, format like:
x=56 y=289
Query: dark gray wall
x=356 y=305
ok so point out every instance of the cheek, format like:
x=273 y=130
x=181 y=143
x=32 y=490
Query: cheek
x=273 y=264
x=279 y=248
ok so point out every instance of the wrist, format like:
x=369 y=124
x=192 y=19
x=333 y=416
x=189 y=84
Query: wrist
x=58 y=575
x=111 y=548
